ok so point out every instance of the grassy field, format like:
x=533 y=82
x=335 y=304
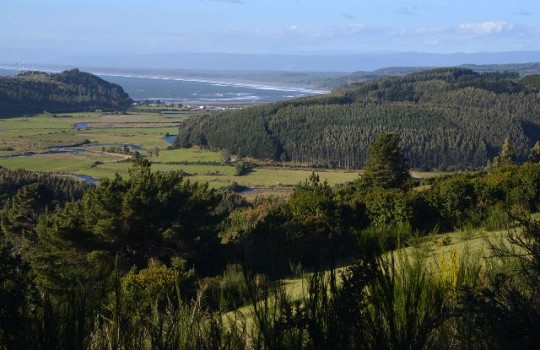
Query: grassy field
x=143 y=130
x=188 y=155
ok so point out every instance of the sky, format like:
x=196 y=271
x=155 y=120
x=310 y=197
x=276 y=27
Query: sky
x=269 y=26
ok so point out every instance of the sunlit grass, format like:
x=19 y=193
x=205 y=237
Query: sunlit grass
x=56 y=163
x=188 y=155
x=266 y=177
x=36 y=121
x=145 y=141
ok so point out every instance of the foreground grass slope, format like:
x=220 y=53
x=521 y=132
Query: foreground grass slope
x=442 y=256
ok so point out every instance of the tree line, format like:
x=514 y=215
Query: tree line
x=63 y=188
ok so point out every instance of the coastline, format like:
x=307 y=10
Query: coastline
x=188 y=89
x=259 y=85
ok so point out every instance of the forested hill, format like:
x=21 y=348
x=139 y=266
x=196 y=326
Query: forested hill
x=447 y=118
x=520 y=68
x=35 y=92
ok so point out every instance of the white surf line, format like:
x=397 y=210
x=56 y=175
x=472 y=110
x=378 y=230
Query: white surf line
x=207 y=81
x=218 y=83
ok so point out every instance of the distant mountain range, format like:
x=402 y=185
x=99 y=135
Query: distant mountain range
x=521 y=69
x=344 y=63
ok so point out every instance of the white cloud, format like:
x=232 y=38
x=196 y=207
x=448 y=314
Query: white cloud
x=296 y=37
x=485 y=28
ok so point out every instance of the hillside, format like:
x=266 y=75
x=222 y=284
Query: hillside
x=447 y=118
x=35 y=92
x=522 y=69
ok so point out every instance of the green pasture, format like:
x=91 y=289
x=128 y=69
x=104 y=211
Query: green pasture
x=37 y=134
x=287 y=177
x=55 y=163
x=145 y=141
x=260 y=177
x=84 y=164
x=188 y=155
x=151 y=130
x=56 y=138
x=217 y=175
x=40 y=122
x=133 y=127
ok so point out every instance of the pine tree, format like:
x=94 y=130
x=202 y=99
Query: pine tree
x=386 y=165
x=20 y=214
x=507 y=155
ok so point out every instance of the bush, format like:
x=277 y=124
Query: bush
x=496 y=218
x=242 y=168
x=388 y=207
x=228 y=291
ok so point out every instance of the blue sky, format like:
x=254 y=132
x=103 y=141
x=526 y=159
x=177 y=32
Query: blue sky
x=270 y=26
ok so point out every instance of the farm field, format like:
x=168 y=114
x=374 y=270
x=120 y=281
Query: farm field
x=100 y=145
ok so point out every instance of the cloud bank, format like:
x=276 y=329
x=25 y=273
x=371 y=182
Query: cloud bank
x=485 y=28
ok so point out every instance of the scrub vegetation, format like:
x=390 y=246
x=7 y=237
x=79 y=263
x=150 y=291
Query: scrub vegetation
x=157 y=261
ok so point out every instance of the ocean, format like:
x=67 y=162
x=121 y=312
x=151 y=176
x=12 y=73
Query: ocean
x=198 y=91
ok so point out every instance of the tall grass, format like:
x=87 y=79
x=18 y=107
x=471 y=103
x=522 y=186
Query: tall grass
x=391 y=301
x=505 y=310
x=184 y=325
x=496 y=218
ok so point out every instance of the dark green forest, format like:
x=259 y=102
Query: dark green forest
x=451 y=118
x=70 y=91
x=155 y=261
